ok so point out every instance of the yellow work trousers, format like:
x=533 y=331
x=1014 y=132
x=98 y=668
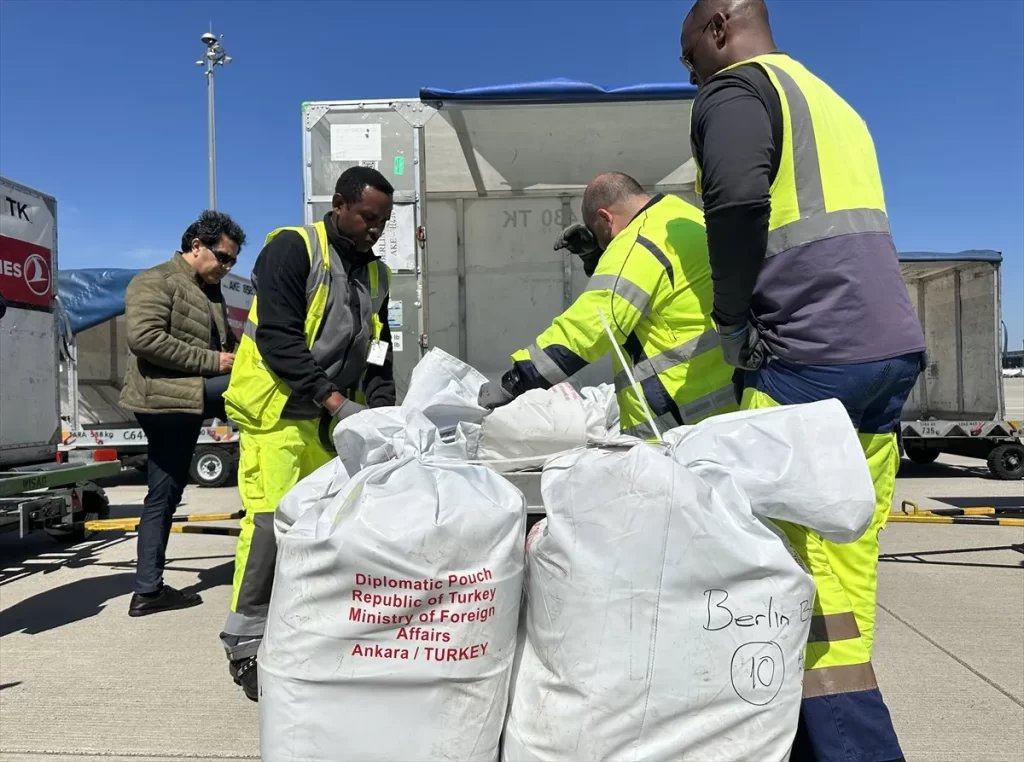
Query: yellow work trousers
x=843 y=715
x=271 y=462
x=843 y=624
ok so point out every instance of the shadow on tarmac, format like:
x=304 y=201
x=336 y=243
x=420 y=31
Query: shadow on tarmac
x=911 y=470
x=85 y=598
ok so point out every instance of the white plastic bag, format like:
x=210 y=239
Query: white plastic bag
x=387 y=433
x=445 y=390
x=798 y=463
x=392 y=623
x=602 y=410
x=546 y=422
x=664 y=619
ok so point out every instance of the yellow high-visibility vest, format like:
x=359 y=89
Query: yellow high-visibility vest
x=256 y=398
x=830 y=290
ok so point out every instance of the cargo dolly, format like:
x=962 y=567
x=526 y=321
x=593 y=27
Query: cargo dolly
x=56 y=498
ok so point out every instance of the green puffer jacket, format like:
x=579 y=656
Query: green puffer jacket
x=168 y=316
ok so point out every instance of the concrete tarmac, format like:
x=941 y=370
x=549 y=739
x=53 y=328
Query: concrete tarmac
x=80 y=680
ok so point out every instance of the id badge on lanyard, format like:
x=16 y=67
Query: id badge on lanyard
x=378 y=352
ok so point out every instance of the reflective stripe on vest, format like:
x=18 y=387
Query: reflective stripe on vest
x=669 y=359
x=320 y=275
x=623 y=288
x=691 y=411
x=339 y=341
x=545 y=365
x=815 y=223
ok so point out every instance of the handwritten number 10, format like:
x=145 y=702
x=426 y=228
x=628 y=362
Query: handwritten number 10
x=755 y=672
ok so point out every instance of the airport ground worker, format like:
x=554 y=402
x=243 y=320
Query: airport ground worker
x=316 y=345
x=648 y=265
x=810 y=304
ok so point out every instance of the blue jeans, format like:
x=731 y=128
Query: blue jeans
x=873 y=393
x=172 y=439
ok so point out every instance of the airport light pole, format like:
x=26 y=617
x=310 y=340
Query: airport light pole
x=215 y=56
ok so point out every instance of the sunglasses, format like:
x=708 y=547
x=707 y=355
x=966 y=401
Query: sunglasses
x=686 y=59
x=224 y=260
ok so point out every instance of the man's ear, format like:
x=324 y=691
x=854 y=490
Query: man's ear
x=719 y=30
x=337 y=201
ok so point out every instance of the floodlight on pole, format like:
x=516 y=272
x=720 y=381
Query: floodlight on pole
x=215 y=56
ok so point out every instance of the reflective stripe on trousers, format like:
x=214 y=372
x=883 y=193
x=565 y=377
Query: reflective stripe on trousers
x=843 y=715
x=270 y=464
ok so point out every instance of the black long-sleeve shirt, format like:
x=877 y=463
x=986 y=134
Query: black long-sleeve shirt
x=280 y=275
x=736 y=138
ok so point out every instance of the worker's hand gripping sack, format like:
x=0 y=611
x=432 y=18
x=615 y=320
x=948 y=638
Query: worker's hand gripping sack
x=392 y=624
x=664 y=619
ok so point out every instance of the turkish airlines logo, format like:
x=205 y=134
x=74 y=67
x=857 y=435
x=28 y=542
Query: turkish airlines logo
x=36 y=273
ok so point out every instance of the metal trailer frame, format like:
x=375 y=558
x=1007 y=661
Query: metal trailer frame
x=54 y=498
x=214 y=462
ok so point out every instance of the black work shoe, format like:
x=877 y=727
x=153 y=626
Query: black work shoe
x=165 y=599
x=244 y=673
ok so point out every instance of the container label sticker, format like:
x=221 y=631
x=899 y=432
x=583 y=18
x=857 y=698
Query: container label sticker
x=396 y=341
x=399 y=165
x=397 y=243
x=355 y=142
x=395 y=314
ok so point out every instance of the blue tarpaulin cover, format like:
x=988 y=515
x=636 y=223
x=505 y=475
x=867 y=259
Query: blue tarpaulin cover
x=92 y=296
x=972 y=255
x=561 y=90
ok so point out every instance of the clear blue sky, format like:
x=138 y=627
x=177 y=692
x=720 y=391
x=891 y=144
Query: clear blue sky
x=101 y=103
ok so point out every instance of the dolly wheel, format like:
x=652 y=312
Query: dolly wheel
x=212 y=466
x=921 y=455
x=1006 y=461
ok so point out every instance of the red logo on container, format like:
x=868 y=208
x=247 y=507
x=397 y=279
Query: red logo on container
x=26 y=274
x=37 y=275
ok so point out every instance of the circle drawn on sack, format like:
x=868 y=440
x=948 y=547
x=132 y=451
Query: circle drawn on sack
x=36 y=273
x=758 y=672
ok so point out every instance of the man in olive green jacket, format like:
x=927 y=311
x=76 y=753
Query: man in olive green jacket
x=181 y=350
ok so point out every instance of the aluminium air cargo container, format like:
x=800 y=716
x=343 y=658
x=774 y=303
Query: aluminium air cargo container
x=485 y=180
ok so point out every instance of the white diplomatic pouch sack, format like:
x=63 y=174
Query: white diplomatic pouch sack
x=664 y=620
x=392 y=623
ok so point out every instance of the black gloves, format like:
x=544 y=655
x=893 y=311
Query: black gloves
x=742 y=346
x=493 y=395
x=578 y=239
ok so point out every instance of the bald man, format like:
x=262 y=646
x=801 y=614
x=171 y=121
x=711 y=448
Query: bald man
x=810 y=304
x=648 y=265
